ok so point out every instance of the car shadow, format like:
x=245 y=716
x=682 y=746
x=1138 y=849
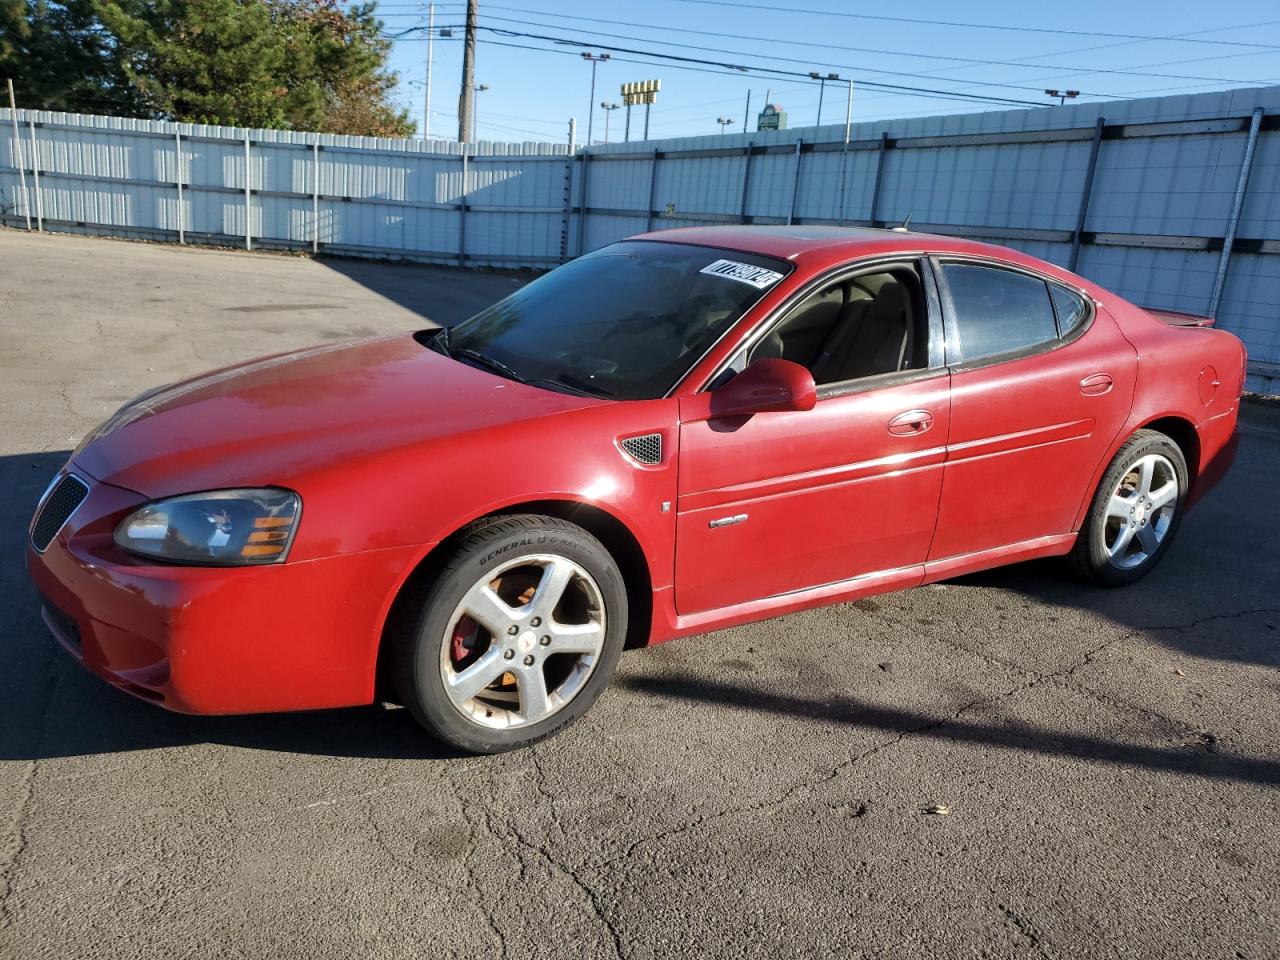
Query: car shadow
x=1007 y=734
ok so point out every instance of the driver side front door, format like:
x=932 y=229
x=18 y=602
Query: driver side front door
x=776 y=503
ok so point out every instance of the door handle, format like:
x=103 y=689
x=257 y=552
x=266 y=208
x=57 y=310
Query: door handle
x=911 y=423
x=1095 y=385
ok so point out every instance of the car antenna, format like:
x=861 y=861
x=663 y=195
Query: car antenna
x=904 y=227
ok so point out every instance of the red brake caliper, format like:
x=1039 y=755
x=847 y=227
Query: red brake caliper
x=466 y=637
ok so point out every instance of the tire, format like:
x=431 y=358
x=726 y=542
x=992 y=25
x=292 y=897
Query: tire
x=533 y=602
x=1134 y=516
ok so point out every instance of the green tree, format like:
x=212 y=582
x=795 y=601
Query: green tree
x=296 y=64
x=60 y=58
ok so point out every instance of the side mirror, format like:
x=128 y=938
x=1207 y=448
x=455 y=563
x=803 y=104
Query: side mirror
x=771 y=385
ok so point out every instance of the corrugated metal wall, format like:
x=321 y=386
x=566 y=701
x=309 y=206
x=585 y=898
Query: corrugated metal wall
x=1138 y=194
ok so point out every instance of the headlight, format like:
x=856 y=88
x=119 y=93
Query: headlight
x=220 y=528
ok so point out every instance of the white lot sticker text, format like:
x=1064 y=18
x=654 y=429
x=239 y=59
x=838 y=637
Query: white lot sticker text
x=757 y=277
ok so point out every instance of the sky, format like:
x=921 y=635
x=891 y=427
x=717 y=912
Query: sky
x=981 y=48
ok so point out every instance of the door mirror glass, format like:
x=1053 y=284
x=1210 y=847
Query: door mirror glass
x=770 y=385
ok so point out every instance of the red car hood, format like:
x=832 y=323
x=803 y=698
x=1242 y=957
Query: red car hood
x=271 y=421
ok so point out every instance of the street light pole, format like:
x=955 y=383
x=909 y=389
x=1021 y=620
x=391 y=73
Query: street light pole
x=479 y=89
x=608 y=108
x=724 y=122
x=822 y=89
x=426 y=100
x=591 y=111
x=1062 y=95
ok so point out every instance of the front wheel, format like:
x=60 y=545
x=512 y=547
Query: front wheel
x=516 y=637
x=1135 y=511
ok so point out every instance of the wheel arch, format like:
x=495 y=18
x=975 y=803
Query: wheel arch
x=615 y=535
x=1177 y=427
x=1183 y=433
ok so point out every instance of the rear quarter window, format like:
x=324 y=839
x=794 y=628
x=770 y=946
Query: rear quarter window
x=1070 y=308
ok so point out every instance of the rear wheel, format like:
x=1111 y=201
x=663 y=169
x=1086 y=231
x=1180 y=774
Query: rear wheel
x=517 y=636
x=1135 y=512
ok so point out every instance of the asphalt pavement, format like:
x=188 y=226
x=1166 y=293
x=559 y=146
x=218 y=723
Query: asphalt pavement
x=1011 y=764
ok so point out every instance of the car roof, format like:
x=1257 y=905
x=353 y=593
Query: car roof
x=812 y=242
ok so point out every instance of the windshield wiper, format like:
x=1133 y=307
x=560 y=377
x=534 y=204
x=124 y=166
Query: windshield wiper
x=484 y=360
x=573 y=383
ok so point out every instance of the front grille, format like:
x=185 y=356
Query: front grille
x=63 y=623
x=56 y=510
x=646 y=449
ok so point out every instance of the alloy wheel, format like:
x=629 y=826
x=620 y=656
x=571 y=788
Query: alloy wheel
x=523 y=641
x=1140 y=511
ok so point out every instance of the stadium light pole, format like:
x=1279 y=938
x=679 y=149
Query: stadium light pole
x=594 y=59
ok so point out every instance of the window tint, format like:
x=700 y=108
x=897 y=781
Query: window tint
x=998 y=311
x=626 y=321
x=855 y=328
x=1070 y=307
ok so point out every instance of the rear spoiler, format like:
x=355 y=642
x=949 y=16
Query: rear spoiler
x=1176 y=318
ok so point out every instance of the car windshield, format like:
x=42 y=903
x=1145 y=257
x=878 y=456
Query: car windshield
x=625 y=322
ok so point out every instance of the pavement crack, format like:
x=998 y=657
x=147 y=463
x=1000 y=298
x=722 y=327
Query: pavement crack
x=1029 y=932
x=590 y=893
x=15 y=840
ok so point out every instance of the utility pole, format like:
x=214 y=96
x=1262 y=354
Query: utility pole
x=466 y=99
x=426 y=100
x=594 y=59
x=746 y=114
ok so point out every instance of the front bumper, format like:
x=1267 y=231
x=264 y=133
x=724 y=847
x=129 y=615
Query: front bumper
x=215 y=640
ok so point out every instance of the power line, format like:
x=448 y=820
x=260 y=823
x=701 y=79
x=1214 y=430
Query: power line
x=754 y=68
x=730 y=69
x=972 y=26
x=972 y=61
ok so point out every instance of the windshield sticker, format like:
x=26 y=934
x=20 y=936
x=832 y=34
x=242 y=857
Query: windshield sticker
x=748 y=273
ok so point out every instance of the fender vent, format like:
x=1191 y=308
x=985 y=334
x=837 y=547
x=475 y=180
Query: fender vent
x=56 y=510
x=646 y=449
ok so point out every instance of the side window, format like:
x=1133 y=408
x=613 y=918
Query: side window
x=870 y=324
x=1070 y=308
x=998 y=311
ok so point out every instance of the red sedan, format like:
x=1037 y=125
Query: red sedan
x=676 y=433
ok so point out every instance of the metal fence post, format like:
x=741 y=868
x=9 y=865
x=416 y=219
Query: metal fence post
x=177 y=177
x=653 y=189
x=567 y=217
x=875 y=189
x=248 y=209
x=462 y=213
x=582 y=203
x=35 y=175
x=315 y=198
x=795 y=184
x=1237 y=207
x=1094 y=148
x=746 y=182
x=22 y=164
